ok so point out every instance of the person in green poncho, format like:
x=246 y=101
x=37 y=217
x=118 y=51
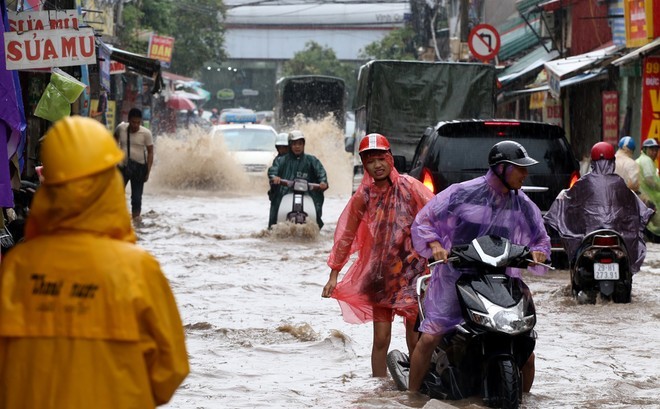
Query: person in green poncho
x=650 y=181
x=297 y=164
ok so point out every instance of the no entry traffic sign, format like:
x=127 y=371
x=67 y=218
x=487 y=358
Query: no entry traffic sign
x=484 y=42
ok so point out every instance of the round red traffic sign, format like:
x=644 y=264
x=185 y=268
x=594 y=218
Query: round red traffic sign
x=484 y=42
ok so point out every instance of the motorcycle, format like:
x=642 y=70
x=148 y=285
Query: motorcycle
x=484 y=354
x=601 y=266
x=15 y=223
x=297 y=206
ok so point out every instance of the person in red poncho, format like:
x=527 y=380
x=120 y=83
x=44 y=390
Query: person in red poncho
x=376 y=223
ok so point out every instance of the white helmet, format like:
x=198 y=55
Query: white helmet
x=296 y=135
x=282 y=139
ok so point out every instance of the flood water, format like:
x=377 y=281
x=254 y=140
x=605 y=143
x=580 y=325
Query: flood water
x=259 y=335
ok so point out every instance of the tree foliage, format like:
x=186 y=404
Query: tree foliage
x=396 y=45
x=194 y=24
x=315 y=59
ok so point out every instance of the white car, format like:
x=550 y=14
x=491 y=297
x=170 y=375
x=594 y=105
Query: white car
x=251 y=145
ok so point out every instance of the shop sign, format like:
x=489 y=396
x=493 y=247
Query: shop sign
x=651 y=98
x=554 y=83
x=117 y=67
x=160 y=48
x=50 y=48
x=42 y=20
x=552 y=113
x=641 y=26
x=610 y=102
x=225 y=94
x=537 y=100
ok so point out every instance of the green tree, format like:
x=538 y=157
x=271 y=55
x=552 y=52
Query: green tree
x=315 y=59
x=195 y=25
x=396 y=45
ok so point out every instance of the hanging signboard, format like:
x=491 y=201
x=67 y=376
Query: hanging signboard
x=160 y=48
x=42 y=20
x=117 y=67
x=610 y=107
x=49 y=48
x=651 y=98
x=642 y=24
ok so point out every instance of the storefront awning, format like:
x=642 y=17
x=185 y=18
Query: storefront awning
x=579 y=63
x=140 y=64
x=527 y=65
x=578 y=79
x=638 y=53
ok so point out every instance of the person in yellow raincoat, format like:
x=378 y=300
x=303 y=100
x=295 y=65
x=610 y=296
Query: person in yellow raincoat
x=87 y=318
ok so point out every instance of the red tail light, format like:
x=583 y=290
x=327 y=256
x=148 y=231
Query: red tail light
x=574 y=178
x=427 y=180
x=606 y=241
x=605 y=260
x=501 y=123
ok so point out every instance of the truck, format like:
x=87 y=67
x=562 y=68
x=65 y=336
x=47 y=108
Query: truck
x=312 y=96
x=401 y=99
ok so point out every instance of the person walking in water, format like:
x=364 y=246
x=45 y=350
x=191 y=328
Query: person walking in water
x=137 y=142
x=376 y=222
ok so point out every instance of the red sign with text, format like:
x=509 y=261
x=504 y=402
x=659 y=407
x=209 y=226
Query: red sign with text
x=651 y=98
x=610 y=117
x=160 y=48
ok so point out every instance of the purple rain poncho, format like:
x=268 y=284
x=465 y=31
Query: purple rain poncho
x=600 y=200
x=459 y=214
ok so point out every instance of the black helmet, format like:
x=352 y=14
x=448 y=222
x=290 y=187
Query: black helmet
x=509 y=152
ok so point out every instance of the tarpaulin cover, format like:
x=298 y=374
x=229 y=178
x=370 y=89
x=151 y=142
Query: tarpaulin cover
x=461 y=213
x=376 y=224
x=400 y=99
x=600 y=200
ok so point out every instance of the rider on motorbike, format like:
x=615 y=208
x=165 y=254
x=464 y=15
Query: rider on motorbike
x=626 y=167
x=600 y=200
x=297 y=165
x=490 y=204
x=650 y=181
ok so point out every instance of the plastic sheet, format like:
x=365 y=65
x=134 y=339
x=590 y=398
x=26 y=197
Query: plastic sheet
x=461 y=213
x=600 y=200
x=376 y=224
x=60 y=93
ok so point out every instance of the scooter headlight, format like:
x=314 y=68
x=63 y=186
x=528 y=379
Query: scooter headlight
x=508 y=320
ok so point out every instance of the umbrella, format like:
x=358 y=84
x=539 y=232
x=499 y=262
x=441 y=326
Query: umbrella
x=179 y=102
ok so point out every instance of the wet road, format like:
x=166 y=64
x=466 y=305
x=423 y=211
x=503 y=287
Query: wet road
x=260 y=335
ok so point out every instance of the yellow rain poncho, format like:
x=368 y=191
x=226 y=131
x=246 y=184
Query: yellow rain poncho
x=87 y=318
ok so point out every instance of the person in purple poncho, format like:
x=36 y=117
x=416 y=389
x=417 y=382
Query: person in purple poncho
x=490 y=204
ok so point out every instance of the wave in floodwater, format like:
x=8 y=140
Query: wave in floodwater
x=193 y=160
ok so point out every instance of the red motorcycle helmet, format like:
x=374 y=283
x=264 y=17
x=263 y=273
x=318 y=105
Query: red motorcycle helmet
x=602 y=150
x=374 y=141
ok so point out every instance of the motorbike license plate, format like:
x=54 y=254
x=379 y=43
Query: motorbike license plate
x=606 y=271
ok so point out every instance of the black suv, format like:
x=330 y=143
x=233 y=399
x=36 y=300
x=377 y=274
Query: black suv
x=457 y=151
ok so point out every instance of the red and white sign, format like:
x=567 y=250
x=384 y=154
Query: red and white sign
x=117 y=67
x=610 y=117
x=160 y=48
x=42 y=20
x=651 y=98
x=50 y=48
x=484 y=42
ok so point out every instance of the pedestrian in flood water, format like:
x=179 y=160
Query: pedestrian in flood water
x=87 y=318
x=376 y=223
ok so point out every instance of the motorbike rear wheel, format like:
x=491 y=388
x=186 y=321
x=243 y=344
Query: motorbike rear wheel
x=505 y=385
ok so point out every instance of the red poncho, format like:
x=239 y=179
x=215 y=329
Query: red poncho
x=376 y=223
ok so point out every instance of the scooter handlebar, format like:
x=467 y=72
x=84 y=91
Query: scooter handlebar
x=310 y=186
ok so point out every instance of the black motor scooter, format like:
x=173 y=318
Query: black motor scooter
x=484 y=354
x=601 y=267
